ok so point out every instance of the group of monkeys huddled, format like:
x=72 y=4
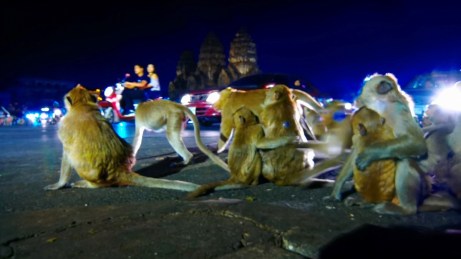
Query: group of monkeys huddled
x=396 y=166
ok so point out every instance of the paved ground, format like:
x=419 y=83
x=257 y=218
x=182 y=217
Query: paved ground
x=136 y=222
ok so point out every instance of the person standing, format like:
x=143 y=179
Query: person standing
x=154 y=83
x=135 y=87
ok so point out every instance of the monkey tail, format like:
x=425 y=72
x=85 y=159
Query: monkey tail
x=200 y=144
x=205 y=189
x=136 y=179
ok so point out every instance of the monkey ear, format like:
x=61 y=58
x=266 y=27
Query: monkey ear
x=69 y=100
x=362 y=130
x=384 y=87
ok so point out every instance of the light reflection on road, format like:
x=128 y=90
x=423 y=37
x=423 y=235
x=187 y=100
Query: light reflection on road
x=126 y=130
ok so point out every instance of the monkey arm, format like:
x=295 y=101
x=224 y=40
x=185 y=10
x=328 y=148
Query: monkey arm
x=346 y=173
x=271 y=143
x=411 y=145
x=64 y=177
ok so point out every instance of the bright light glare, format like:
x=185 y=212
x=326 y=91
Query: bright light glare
x=108 y=91
x=348 y=106
x=449 y=98
x=57 y=112
x=45 y=109
x=186 y=99
x=212 y=98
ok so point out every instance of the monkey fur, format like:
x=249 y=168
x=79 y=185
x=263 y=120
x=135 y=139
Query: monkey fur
x=99 y=156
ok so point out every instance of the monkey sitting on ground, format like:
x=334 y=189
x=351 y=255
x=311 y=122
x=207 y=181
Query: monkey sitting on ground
x=244 y=159
x=164 y=114
x=382 y=94
x=231 y=99
x=443 y=160
x=376 y=183
x=98 y=155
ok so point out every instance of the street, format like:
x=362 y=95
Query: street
x=138 y=222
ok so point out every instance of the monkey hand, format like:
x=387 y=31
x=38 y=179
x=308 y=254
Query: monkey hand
x=364 y=159
x=56 y=186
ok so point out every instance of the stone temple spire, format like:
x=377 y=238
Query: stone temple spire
x=211 y=59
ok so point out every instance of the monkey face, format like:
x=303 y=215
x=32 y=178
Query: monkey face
x=377 y=88
x=277 y=93
x=365 y=120
x=243 y=117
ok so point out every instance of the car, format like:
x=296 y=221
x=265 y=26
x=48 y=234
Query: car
x=201 y=101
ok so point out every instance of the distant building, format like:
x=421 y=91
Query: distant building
x=211 y=70
x=38 y=91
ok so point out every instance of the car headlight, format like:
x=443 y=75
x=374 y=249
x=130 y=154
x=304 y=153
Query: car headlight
x=212 y=98
x=185 y=99
x=108 y=91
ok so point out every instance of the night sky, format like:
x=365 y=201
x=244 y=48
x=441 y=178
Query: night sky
x=333 y=44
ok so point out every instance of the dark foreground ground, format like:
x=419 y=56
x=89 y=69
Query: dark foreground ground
x=137 y=222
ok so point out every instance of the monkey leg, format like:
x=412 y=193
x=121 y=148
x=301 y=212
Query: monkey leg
x=173 y=136
x=408 y=189
x=137 y=139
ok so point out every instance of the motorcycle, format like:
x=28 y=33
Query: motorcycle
x=110 y=106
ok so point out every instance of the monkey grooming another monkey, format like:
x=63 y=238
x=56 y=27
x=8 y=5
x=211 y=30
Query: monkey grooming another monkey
x=164 y=114
x=98 y=155
x=382 y=94
x=232 y=99
x=244 y=159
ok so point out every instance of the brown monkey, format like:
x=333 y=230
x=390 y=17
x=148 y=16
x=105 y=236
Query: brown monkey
x=282 y=165
x=98 y=155
x=231 y=99
x=244 y=159
x=443 y=161
x=382 y=94
x=376 y=183
x=164 y=114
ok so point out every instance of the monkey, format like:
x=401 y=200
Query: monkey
x=232 y=99
x=280 y=118
x=164 y=114
x=383 y=94
x=375 y=184
x=244 y=159
x=97 y=153
x=443 y=161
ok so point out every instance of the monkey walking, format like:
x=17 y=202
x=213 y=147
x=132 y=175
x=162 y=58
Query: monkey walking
x=163 y=114
x=98 y=155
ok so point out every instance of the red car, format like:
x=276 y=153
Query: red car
x=201 y=101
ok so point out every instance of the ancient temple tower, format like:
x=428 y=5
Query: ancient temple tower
x=242 y=59
x=211 y=60
x=211 y=70
x=242 y=54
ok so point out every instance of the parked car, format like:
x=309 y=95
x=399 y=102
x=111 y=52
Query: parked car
x=201 y=101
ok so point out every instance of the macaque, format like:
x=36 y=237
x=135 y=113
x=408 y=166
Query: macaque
x=382 y=94
x=443 y=161
x=99 y=156
x=375 y=184
x=159 y=115
x=231 y=99
x=244 y=160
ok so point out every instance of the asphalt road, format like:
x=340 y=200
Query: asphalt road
x=137 y=222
